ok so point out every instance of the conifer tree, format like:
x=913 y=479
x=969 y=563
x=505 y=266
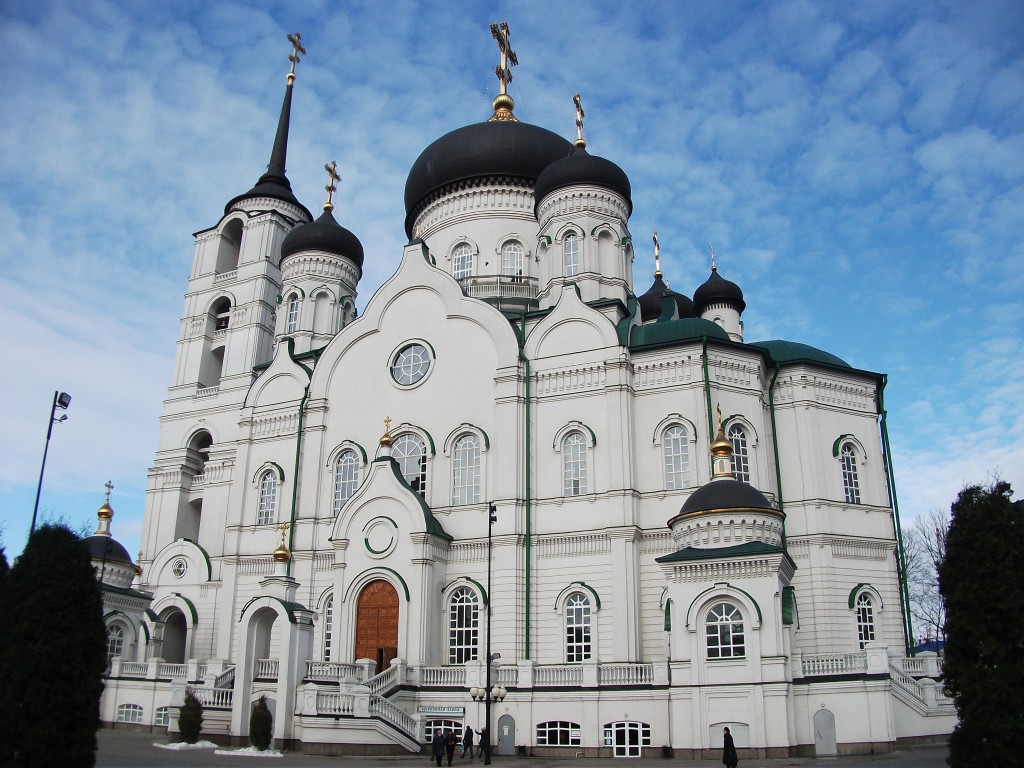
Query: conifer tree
x=980 y=581
x=54 y=652
x=190 y=718
x=261 y=725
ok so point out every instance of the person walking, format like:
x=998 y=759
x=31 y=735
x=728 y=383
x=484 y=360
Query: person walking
x=485 y=747
x=437 y=746
x=467 y=743
x=450 y=741
x=728 y=750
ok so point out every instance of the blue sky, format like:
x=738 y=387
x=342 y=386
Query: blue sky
x=859 y=168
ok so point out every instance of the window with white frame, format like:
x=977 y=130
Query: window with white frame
x=675 y=446
x=292 y=318
x=571 y=255
x=410 y=452
x=266 y=511
x=328 y=626
x=851 y=482
x=440 y=726
x=466 y=470
x=574 y=464
x=511 y=259
x=628 y=738
x=129 y=713
x=724 y=632
x=462 y=261
x=578 y=619
x=740 y=453
x=346 y=478
x=558 y=733
x=162 y=718
x=115 y=641
x=865 y=619
x=463 y=626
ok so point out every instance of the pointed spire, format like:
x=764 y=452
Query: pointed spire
x=105 y=513
x=274 y=183
x=657 y=257
x=581 y=143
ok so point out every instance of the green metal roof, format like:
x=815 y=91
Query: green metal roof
x=737 y=550
x=672 y=331
x=793 y=351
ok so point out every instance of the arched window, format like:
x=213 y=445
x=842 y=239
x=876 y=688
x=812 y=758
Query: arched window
x=221 y=314
x=574 y=464
x=724 y=631
x=851 y=483
x=440 y=726
x=865 y=619
x=462 y=261
x=346 y=478
x=411 y=454
x=740 y=453
x=292 y=322
x=328 y=626
x=577 y=627
x=571 y=255
x=115 y=641
x=466 y=470
x=511 y=259
x=558 y=733
x=266 y=511
x=676 y=448
x=463 y=626
x=129 y=713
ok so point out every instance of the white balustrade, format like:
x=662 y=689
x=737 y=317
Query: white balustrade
x=508 y=676
x=557 y=675
x=331 y=671
x=172 y=670
x=626 y=674
x=335 y=703
x=390 y=713
x=833 y=664
x=214 y=698
x=265 y=669
x=443 y=676
x=134 y=669
x=384 y=682
x=225 y=679
x=207 y=391
x=224 y=277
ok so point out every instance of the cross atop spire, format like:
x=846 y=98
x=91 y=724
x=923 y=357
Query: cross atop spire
x=657 y=256
x=109 y=486
x=503 y=103
x=332 y=177
x=712 y=249
x=293 y=57
x=580 y=141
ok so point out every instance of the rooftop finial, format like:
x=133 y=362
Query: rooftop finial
x=281 y=554
x=712 y=249
x=297 y=49
x=332 y=176
x=721 y=451
x=657 y=257
x=385 y=439
x=109 y=486
x=580 y=141
x=503 y=103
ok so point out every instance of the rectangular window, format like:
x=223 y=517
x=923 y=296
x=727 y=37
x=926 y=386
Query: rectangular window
x=558 y=733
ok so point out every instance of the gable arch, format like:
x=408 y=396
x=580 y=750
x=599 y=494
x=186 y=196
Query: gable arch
x=740 y=420
x=427 y=438
x=465 y=581
x=573 y=587
x=574 y=426
x=340 y=448
x=869 y=590
x=271 y=465
x=723 y=590
x=858 y=447
x=463 y=429
x=569 y=228
x=376 y=573
x=219 y=297
x=458 y=240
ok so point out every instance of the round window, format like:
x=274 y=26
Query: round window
x=410 y=364
x=179 y=567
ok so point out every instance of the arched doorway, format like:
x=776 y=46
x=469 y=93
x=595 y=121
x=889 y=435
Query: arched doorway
x=377 y=623
x=175 y=636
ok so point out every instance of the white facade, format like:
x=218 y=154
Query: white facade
x=532 y=383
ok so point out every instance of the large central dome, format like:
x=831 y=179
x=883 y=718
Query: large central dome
x=484 y=150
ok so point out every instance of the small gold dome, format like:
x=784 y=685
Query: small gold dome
x=106 y=512
x=386 y=440
x=722 y=446
x=281 y=554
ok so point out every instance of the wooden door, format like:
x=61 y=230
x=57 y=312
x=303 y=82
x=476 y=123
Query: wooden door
x=377 y=624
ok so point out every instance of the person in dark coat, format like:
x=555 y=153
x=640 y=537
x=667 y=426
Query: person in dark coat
x=437 y=746
x=467 y=742
x=485 y=745
x=450 y=742
x=728 y=750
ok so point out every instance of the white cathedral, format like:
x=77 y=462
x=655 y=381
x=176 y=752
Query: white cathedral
x=518 y=489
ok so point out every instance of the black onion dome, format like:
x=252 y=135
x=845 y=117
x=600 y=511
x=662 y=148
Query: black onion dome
x=683 y=305
x=717 y=289
x=324 y=234
x=108 y=549
x=581 y=167
x=650 y=302
x=725 y=494
x=496 y=148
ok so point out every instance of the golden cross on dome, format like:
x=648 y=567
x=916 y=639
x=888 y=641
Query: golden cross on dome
x=718 y=409
x=297 y=49
x=332 y=176
x=109 y=486
x=283 y=527
x=387 y=425
x=580 y=142
x=508 y=56
x=657 y=255
x=712 y=249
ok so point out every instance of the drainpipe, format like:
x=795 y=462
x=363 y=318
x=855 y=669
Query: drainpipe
x=901 y=558
x=295 y=477
x=707 y=388
x=528 y=503
x=775 y=445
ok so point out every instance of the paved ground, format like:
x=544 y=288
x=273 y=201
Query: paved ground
x=130 y=749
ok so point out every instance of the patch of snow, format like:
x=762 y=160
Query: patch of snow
x=250 y=752
x=179 y=746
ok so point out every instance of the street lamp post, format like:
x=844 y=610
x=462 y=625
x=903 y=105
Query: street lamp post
x=60 y=400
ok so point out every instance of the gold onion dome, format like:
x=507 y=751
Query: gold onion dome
x=105 y=512
x=281 y=554
x=722 y=446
